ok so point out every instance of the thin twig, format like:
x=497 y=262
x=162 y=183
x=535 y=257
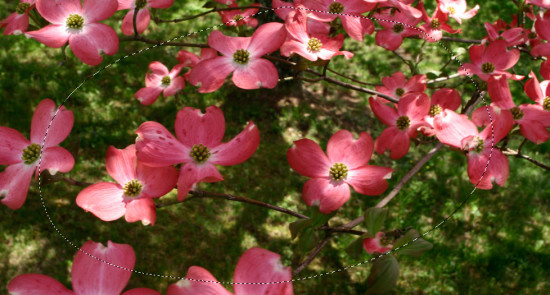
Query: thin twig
x=312 y=256
x=351 y=79
x=512 y=153
x=443 y=78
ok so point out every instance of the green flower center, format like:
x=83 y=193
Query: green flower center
x=133 y=188
x=435 y=110
x=479 y=145
x=336 y=7
x=546 y=104
x=314 y=44
x=435 y=23
x=238 y=17
x=451 y=10
x=487 y=68
x=517 y=113
x=241 y=56
x=403 y=122
x=75 y=21
x=399 y=91
x=22 y=8
x=532 y=35
x=200 y=153
x=31 y=153
x=166 y=80
x=338 y=171
x=140 y=4
x=398 y=28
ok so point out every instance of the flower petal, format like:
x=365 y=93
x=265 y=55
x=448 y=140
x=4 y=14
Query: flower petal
x=158 y=148
x=191 y=174
x=98 y=10
x=239 y=149
x=257 y=73
x=36 y=284
x=53 y=36
x=56 y=159
x=148 y=95
x=451 y=128
x=369 y=180
x=210 y=74
x=394 y=140
x=141 y=291
x=308 y=159
x=162 y=4
x=177 y=84
x=266 y=39
x=499 y=91
x=414 y=105
x=60 y=126
x=326 y=194
x=227 y=45
x=343 y=148
x=142 y=22
x=97 y=38
x=141 y=209
x=447 y=98
x=386 y=114
x=194 y=127
x=17 y=24
x=14 y=184
x=105 y=200
x=121 y=163
x=157 y=181
x=55 y=11
x=11 y=146
x=192 y=287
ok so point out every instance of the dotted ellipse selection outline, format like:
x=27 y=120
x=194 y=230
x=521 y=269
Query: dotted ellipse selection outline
x=275 y=282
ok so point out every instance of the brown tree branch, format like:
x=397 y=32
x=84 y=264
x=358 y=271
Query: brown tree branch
x=512 y=153
x=312 y=256
x=159 y=20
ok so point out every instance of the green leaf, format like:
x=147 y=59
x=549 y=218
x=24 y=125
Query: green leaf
x=374 y=219
x=298 y=226
x=433 y=74
x=355 y=249
x=307 y=240
x=383 y=275
x=415 y=248
x=318 y=218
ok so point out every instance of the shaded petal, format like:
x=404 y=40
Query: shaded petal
x=17 y=24
x=451 y=128
x=157 y=181
x=148 y=95
x=56 y=159
x=98 y=10
x=357 y=27
x=326 y=194
x=394 y=140
x=227 y=45
x=142 y=22
x=55 y=11
x=194 y=127
x=499 y=91
x=414 y=105
x=502 y=124
x=267 y=39
x=386 y=114
x=210 y=74
x=11 y=146
x=36 y=284
x=369 y=180
x=53 y=36
x=388 y=39
x=157 y=147
x=121 y=163
x=447 y=98
x=257 y=73
x=532 y=88
x=191 y=174
x=188 y=287
x=60 y=127
x=159 y=69
x=14 y=184
x=97 y=38
x=239 y=149
x=296 y=26
x=141 y=209
x=105 y=200
x=535 y=131
x=343 y=148
x=163 y=4
x=308 y=159
x=374 y=245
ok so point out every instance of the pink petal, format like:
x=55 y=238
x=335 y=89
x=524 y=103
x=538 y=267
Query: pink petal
x=191 y=174
x=227 y=45
x=266 y=39
x=369 y=180
x=386 y=114
x=394 y=140
x=56 y=159
x=192 y=287
x=142 y=22
x=55 y=11
x=481 y=117
x=60 y=126
x=535 y=131
x=326 y=194
x=177 y=84
x=532 y=88
x=159 y=69
x=502 y=124
x=97 y=38
x=98 y=10
x=194 y=127
x=239 y=149
x=451 y=128
x=210 y=74
x=105 y=200
x=388 y=39
x=187 y=59
x=92 y=277
x=414 y=105
x=148 y=95
x=257 y=73
x=36 y=284
x=307 y=158
x=141 y=209
x=11 y=146
x=53 y=36
x=343 y=148
x=14 y=184
x=291 y=47
x=126 y=4
x=258 y=265
x=18 y=24
x=296 y=26
x=157 y=181
x=497 y=170
x=545 y=70
x=447 y=98
x=121 y=163
x=499 y=91
x=158 y=148
x=357 y=27
x=163 y=4
x=542 y=49
x=502 y=58
x=416 y=83
x=373 y=245
x=141 y=291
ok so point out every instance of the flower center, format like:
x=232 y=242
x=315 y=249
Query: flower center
x=336 y=7
x=314 y=44
x=31 y=153
x=479 y=145
x=140 y=4
x=166 y=80
x=399 y=91
x=435 y=23
x=338 y=172
x=487 y=68
x=75 y=21
x=435 y=110
x=546 y=104
x=132 y=188
x=241 y=56
x=200 y=153
x=398 y=28
x=403 y=122
x=238 y=17
x=451 y=10
x=22 y=8
x=517 y=113
x=385 y=240
x=532 y=35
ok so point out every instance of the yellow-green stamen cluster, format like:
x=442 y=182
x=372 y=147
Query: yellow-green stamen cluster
x=338 y=171
x=435 y=23
x=399 y=91
x=140 y=4
x=75 y=21
x=22 y=8
x=238 y=17
x=435 y=110
x=398 y=28
x=546 y=104
x=451 y=10
x=132 y=188
x=241 y=56
x=166 y=80
x=200 y=153
x=31 y=153
x=517 y=113
x=479 y=145
x=487 y=68
x=314 y=44
x=336 y=7
x=403 y=122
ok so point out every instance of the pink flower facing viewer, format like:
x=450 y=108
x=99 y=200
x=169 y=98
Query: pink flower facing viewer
x=331 y=175
x=241 y=18
x=143 y=16
x=198 y=146
x=397 y=85
x=310 y=45
x=18 y=22
x=132 y=195
x=256 y=265
x=78 y=24
x=22 y=156
x=435 y=25
x=242 y=57
x=88 y=275
x=458 y=131
x=403 y=123
x=379 y=244
x=443 y=99
x=391 y=37
x=160 y=81
x=494 y=59
x=457 y=9
x=540 y=93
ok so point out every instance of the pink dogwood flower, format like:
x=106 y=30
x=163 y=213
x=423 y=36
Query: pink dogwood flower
x=344 y=165
x=240 y=18
x=397 y=85
x=132 y=194
x=457 y=9
x=512 y=36
x=160 y=81
x=198 y=146
x=22 y=156
x=540 y=93
x=143 y=16
x=435 y=25
x=378 y=244
x=441 y=100
x=494 y=59
x=542 y=26
x=79 y=25
x=310 y=45
x=313 y=25
x=396 y=27
x=256 y=265
x=242 y=57
x=18 y=22
x=403 y=123
x=541 y=3
x=404 y=6
x=88 y=275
